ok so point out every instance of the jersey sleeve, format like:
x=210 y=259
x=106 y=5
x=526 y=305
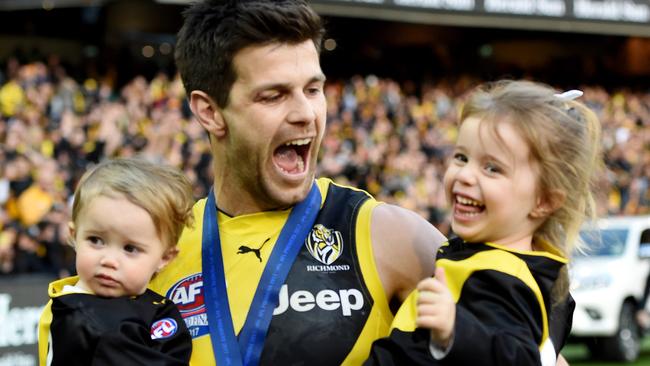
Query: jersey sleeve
x=561 y=321
x=44 y=333
x=134 y=343
x=499 y=326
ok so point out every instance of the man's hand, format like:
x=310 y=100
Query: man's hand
x=436 y=308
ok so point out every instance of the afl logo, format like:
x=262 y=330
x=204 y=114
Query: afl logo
x=187 y=294
x=164 y=328
x=324 y=244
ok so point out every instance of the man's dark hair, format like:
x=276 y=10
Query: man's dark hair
x=214 y=31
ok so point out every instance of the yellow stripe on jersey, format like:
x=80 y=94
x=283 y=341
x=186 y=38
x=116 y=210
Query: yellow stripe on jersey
x=498 y=260
x=380 y=311
x=457 y=272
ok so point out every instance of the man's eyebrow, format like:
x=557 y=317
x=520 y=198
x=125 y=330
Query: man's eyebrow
x=277 y=86
x=320 y=77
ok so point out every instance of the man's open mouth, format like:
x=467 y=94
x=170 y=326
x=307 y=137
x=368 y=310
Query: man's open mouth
x=292 y=157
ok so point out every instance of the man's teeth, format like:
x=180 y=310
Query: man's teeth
x=301 y=164
x=467 y=201
x=299 y=142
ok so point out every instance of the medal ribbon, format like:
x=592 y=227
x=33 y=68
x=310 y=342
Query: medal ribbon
x=247 y=348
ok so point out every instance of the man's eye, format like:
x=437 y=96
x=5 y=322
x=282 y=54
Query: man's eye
x=271 y=98
x=314 y=90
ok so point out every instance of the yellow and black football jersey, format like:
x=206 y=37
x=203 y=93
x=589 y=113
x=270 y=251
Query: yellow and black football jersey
x=332 y=305
x=504 y=313
x=84 y=329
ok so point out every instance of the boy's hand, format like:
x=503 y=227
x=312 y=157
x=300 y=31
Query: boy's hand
x=436 y=308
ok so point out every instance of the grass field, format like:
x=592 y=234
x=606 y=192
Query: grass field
x=577 y=356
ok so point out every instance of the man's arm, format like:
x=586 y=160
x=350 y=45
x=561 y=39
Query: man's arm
x=405 y=247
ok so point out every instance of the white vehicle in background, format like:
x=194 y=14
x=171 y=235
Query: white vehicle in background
x=608 y=282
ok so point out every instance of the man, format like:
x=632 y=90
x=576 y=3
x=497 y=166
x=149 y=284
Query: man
x=300 y=269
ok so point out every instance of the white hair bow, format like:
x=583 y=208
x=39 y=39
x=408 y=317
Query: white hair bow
x=569 y=95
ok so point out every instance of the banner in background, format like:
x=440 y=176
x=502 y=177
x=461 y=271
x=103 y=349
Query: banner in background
x=626 y=17
x=21 y=300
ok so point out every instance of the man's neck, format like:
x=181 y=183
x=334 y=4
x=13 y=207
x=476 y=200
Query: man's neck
x=235 y=202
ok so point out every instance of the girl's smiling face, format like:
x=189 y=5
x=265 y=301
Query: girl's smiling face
x=492 y=185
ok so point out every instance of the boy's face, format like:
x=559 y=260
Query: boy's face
x=118 y=249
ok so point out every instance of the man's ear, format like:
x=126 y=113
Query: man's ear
x=548 y=203
x=207 y=113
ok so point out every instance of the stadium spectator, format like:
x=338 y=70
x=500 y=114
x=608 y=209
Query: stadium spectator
x=76 y=127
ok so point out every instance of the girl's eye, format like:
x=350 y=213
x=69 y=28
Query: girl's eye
x=492 y=168
x=460 y=157
x=129 y=248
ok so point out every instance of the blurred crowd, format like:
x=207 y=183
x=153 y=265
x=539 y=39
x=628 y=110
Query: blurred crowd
x=391 y=139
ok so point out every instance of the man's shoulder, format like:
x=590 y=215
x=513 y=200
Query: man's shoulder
x=326 y=185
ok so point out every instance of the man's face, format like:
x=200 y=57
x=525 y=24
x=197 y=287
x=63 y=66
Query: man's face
x=275 y=119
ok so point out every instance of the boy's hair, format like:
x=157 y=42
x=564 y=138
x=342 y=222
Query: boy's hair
x=163 y=191
x=214 y=31
x=564 y=139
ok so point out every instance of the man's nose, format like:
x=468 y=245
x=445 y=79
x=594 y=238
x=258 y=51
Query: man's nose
x=302 y=109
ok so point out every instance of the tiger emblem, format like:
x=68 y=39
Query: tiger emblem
x=324 y=244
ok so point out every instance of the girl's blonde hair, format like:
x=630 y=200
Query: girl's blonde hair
x=564 y=139
x=163 y=191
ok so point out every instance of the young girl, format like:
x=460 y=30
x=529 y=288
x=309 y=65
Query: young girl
x=519 y=185
x=126 y=219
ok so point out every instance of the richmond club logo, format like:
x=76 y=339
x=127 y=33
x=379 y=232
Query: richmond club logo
x=324 y=244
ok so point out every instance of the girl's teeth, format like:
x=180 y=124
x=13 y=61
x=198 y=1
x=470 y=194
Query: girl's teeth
x=467 y=201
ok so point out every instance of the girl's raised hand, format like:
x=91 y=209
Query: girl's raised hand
x=436 y=308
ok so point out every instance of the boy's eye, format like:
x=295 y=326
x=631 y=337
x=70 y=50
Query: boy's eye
x=95 y=240
x=129 y=248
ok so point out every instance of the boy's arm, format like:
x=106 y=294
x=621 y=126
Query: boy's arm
x=44 y=333
x=168 y=344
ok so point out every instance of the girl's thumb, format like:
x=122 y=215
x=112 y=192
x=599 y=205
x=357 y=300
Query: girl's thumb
x=440 y=275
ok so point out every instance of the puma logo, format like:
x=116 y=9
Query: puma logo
x=244 y=249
